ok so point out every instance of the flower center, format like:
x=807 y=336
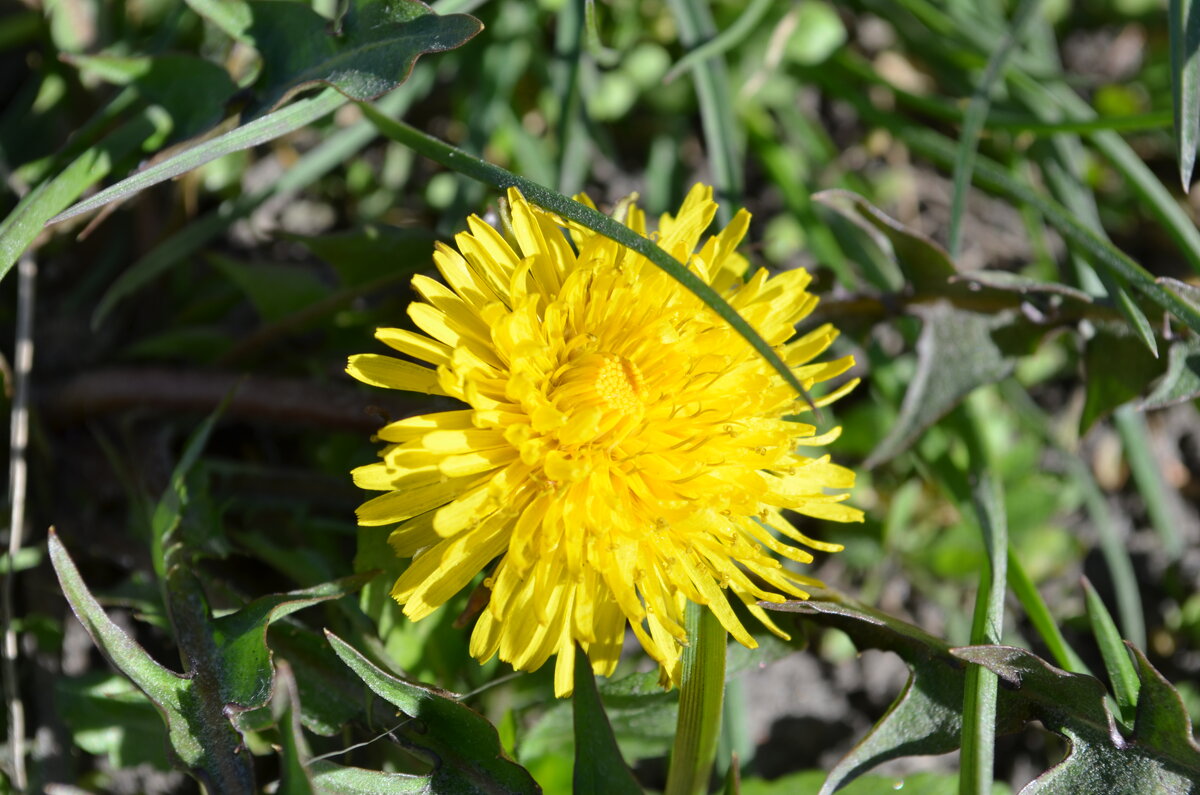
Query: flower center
x=603 y=380
x=619 y=384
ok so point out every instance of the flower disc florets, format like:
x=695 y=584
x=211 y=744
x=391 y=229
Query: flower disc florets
x=623 y=449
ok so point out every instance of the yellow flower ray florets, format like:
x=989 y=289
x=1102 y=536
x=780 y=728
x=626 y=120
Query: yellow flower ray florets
x=624 y=450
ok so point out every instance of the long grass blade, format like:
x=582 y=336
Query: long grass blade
x=1121 y=673
x=501 y=179
x=1183 y=22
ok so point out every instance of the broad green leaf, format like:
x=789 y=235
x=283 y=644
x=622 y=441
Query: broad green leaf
x=1183 y=22
x=641 y=713
x=1159 y=756
x=371 y=54
x=599 y=767
x=208 y=748
x=462 y=746
x=193 y=91
x=1181 y=381
x=275 y=290
x=361 y=256
x=25 y=222
x=1121 y=673
x=1117 y=369
x=109 y=716
x=956 y=352
x=331 y=779
x=229 y=666
x=809 y=783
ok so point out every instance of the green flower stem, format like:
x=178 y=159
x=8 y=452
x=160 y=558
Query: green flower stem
x=700 y=697
x=470 y=166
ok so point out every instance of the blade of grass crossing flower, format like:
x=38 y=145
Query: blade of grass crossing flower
x=285 y=120
x=700 y=696
x=975 y=116
x=599 y=767
x=1183 y=22
x=1039 y=615
x=318 y=162
x=501 y=179
x=979 y=697
x=717 y=115
x=1149 y=477
x=1118 y=665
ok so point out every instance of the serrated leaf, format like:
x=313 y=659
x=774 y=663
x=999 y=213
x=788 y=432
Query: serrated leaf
x=1161 y=757
x=330 y=696
x=956 y=352
x=462 y=746
x=599 y=767
x=372 y=54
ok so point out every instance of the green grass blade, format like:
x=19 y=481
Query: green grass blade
x=1121 y=673
x=1135 y=438
x=717 y=114
x=1039 y=615
x=324 y=158
x=29 y=217
x=1183 y=22
x=979 y=698
x=285 y=120
x=724 y=41
x=976 y=114
x=573 y=161
x=501 y=179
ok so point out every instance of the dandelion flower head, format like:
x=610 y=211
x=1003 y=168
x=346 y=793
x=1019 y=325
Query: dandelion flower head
x=621 y=450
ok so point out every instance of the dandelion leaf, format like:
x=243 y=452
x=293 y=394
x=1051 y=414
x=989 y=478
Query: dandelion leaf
x=462 y=747
x=599 y=767
x=1160 y=756
x=369 y=51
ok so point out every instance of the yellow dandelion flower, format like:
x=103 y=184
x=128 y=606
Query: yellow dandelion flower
x=622 y=450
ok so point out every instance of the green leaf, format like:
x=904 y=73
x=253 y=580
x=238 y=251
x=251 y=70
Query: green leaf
x=229 y=666
x=193 y=91
x=1117 y=369
x=1181 y=381
x=210 y=750
x=360 y=256
x=233 y=17
x=599 y=767
x=1183 y=22
x=1121 y=674
x=925 y=265
x=331 y=779
x=276 y=290
x=462 y=746
x=372 y=54
x=641 y=713
x=956 y=352
x=1160 y=756
x=108 y=716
